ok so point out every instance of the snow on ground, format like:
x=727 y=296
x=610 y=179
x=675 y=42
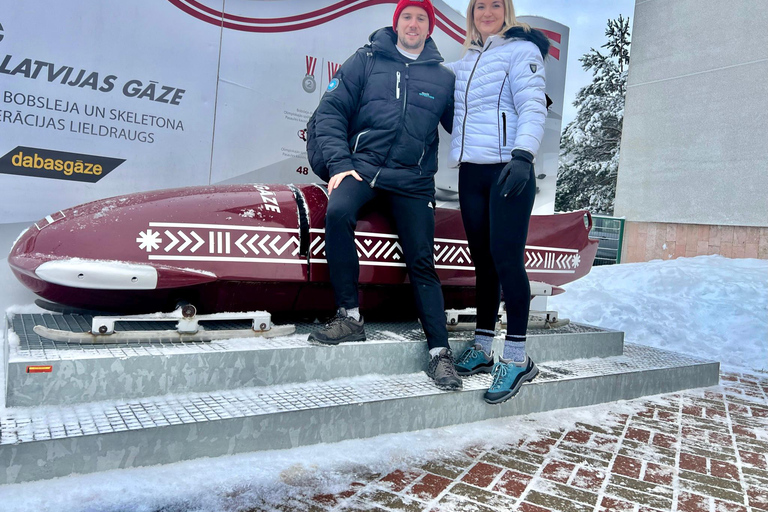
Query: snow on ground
x=710 y=307
x=239 y=482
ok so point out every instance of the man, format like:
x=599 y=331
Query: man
x=377 y=132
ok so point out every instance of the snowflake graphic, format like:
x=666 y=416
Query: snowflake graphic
x=149 y=240
x=575 y=260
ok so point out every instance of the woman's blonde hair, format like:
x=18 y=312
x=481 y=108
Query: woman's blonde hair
x=473 y=35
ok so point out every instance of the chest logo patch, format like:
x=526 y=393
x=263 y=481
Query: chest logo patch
x=426 y=95
x=533 y=67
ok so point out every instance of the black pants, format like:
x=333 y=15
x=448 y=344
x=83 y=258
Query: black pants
x=415 y=223
x=497 y=228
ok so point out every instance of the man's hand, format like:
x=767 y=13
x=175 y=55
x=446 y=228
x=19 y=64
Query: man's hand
x=516 y=173
x=335 y=180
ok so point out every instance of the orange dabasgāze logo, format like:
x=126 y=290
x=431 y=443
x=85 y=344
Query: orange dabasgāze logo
x=58 y=165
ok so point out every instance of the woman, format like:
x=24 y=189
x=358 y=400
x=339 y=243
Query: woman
x=498 y=126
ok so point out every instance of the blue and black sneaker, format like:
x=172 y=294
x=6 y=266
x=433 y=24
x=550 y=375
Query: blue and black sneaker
x=507 y=379
x=473 y=360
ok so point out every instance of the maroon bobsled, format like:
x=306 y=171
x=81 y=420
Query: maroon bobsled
x=255 y=247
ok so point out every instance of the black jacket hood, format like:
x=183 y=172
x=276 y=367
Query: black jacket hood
x=385 y=40
x=537 y=37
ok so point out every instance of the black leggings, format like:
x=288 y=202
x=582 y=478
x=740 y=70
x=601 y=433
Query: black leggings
x=497 y=228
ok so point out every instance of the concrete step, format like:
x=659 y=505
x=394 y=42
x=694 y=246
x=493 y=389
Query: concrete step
x=52 y=441
x=86 y=373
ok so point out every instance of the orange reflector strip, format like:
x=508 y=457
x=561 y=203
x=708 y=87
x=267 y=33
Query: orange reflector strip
x=39 y=369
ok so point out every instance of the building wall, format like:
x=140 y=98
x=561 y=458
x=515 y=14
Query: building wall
x=645 y=241
x=694 y=154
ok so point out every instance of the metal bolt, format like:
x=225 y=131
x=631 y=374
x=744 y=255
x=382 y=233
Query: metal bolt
x=103 y=329
x=263 y=327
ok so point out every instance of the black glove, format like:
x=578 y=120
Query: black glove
x=516 y=173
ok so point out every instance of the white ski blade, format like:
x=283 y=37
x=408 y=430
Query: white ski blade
x=166 y=336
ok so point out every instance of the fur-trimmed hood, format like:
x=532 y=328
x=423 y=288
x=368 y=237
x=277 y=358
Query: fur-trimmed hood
x=537 y=37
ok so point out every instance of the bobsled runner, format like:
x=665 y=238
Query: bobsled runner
x=256 y=247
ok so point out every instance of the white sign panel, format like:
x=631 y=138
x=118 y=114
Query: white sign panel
x=99 y=98
x=105 y=97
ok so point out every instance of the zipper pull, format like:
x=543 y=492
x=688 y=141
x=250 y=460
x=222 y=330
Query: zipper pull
x=397 y=88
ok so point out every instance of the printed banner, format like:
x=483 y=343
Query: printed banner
x=156 y=94
x=130 y=83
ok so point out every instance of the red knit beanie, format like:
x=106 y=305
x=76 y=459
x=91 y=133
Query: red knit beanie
x=424 y=4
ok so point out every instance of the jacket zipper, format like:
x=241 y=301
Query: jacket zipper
x=466 y=104
x=358 y=139
x=402 y=115
x=373 y=181
x=503 y=120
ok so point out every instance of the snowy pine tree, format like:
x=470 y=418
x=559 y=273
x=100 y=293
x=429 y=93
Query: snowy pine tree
x=589 y=145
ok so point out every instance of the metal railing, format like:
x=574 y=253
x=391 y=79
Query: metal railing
x=610 y=232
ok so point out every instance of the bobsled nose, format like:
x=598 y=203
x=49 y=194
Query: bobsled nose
x=98 y=275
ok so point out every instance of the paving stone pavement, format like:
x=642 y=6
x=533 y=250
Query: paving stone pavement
x=703 y=450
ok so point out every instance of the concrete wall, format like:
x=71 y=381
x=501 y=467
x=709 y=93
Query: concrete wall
x=695 y=139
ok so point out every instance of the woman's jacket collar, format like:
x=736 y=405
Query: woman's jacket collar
x=512 y=34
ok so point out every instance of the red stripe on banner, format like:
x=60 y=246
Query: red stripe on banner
x=306 y=24
x=552 y=35
x=219 y=19
x=554 y=52
x=439 y=24
x=449 y=23
x=287 y=19
x=201 y=7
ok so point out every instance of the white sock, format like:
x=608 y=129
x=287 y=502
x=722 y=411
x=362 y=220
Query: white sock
x=354 y=313
x=434 y=352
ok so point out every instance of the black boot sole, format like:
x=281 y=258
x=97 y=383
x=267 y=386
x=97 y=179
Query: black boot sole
x=345 y=339
x=458 y=387
x=513 y=393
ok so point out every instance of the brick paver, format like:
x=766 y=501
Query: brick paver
x=698 y=451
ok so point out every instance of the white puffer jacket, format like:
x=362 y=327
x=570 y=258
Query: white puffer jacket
x=500 y=103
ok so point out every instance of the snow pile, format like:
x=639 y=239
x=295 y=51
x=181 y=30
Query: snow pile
x=709 y=307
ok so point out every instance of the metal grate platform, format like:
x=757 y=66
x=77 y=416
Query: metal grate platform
x=84 y=373
x=34 y=347
x=107 y=435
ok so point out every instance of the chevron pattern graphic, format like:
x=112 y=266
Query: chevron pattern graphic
x=210 y=242
x=384 y=249
x=552 y=260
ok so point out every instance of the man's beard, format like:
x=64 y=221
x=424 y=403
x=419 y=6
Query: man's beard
x=404 y=43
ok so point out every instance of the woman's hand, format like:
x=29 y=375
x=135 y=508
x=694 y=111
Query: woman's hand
x=516 y=173
x=335 y=180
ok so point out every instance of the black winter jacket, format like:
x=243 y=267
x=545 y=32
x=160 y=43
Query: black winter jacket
x=385 y=127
